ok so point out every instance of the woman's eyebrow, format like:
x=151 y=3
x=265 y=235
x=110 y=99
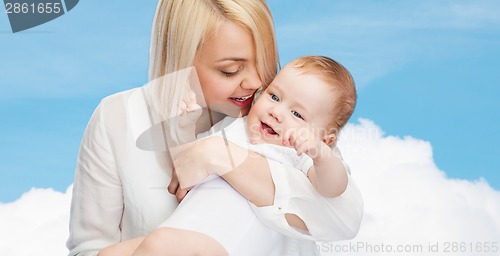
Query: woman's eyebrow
x=232 y=59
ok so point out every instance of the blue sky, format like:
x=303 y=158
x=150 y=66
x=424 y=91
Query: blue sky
x=425 y=69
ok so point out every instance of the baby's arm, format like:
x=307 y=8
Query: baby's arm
x=327 y=175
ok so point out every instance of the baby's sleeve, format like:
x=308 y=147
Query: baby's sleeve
x=327 y=219
x=303 y=163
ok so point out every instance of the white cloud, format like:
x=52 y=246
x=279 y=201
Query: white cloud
x=35 y=224
x=408 y=202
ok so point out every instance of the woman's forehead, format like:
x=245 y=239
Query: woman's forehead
x=231 y=42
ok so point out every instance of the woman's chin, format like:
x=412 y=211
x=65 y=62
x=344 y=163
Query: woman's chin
x=231 y=111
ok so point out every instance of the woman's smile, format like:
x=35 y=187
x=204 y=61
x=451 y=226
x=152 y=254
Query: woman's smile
x=242 y=102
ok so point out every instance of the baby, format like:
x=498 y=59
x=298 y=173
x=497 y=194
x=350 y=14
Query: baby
x=295 y=121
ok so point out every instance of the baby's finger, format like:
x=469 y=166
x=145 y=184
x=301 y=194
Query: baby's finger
x=293 y=136
x=312 y=152
x=301 y=149
x=287 y=137
x=300 y=138
x=193 y=107
x=300 y=146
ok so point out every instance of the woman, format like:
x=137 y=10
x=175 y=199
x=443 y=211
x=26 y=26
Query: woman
x=119 y=190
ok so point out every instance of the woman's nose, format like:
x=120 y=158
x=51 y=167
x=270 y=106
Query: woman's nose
x=251 y=81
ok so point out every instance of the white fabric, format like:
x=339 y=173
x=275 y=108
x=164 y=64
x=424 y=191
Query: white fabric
x=327 y=219
x=120 y=190
x=215 y=209
x=235 y=131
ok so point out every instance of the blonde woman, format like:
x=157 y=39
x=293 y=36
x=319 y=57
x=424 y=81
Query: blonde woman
x=119 y=189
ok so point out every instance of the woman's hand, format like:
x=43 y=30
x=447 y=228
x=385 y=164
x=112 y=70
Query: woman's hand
x=174 y=189
x=196 y=161
x=192 y=164
x=188 y=114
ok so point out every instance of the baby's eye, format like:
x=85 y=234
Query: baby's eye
x=297 y=114
x=274 y=97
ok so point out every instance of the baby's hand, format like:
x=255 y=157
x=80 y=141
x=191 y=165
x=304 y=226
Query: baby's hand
x=304 y=140
x=189 y=111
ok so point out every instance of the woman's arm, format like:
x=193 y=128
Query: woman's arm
x=97 y=203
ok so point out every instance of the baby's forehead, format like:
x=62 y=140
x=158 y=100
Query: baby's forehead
x=307 y=74
x=288 y=69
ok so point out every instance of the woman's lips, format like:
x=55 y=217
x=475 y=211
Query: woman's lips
x=242 y=102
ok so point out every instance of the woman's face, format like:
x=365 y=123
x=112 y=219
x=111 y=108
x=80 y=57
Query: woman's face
x=226 y=68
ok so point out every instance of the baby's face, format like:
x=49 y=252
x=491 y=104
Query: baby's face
x=292 y=100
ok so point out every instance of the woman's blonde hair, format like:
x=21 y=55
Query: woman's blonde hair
x=181 y=27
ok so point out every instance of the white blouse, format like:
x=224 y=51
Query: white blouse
x=120 y=188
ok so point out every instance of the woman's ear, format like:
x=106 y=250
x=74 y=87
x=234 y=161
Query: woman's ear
x=330 y=139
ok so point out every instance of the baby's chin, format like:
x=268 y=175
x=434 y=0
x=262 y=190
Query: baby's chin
x=259 y=140
x=254 y=140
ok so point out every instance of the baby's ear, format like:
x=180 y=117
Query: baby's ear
x=329 y=139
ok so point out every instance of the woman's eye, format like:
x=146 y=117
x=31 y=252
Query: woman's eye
x=297 y=114
x=230 y=74
x=274 y=97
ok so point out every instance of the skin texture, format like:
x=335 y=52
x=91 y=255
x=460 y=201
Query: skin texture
x=293 y=101
x=226 y=69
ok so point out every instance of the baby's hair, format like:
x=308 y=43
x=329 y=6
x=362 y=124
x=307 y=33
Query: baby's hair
x=336 y=75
